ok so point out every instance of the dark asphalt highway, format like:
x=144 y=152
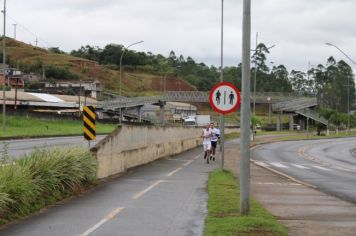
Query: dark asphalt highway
x=328 y=164
x=19 y=147
x=166 y=197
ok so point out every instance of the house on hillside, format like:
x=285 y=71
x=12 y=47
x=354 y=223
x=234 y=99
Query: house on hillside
x=14 y=78
x=90 y=88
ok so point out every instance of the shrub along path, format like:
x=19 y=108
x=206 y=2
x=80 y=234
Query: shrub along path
x=43 y=178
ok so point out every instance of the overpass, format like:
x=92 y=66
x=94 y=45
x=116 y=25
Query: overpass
x=302 y=107
x=282 y=103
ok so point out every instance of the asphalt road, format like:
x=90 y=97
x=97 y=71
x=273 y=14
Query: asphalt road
x=329 y=164
x=166 y=197
x=19 y=147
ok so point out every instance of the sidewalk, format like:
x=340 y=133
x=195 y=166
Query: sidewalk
x=303 y=210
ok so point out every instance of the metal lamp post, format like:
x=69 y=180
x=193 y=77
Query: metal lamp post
x=348 y=85
x=222 y=120
x=4 y=72
x=122 y=54
x=245 y=111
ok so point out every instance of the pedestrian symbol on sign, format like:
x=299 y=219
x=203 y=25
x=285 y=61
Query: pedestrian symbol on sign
x=218 y=94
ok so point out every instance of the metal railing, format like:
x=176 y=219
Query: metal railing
x=312 y=115
x=281 y=100
x=294 y=105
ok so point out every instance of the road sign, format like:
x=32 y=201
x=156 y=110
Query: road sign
x=225 y=98
x=89 y=123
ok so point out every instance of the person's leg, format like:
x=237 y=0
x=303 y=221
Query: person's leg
x=209 y=150
x=213 y=148
x=205 y=150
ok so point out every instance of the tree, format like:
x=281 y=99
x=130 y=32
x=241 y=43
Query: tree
x=334 y=83
x=259 y=58
x=298 y=81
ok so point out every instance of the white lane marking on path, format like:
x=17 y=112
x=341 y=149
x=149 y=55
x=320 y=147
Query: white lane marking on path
x=188 y=162
x=301 y=166
x=277 y=164
x=341 y=168
x=261 y=163
x=321 y=168
x=273 y=183
x=107 y=218
x=140 y=194
x=178 y=160
x=173 y=172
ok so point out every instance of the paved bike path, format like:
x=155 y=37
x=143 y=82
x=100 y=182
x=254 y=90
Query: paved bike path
x=166 y=197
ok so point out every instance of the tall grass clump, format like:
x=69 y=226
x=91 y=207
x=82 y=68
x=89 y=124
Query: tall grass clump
x=42 y=178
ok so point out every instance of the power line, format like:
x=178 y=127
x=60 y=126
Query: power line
x=38 y=39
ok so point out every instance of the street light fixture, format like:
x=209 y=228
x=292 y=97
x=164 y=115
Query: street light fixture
x=348 y=85
x=255 y=76
x=122 y=54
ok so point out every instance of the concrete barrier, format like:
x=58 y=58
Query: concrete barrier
x=132 y=146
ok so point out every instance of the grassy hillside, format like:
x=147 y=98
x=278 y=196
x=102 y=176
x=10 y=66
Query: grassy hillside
x=30 y=58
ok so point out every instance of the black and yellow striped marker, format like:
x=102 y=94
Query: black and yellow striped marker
x=89 y=123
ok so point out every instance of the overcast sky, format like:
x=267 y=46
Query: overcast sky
x=298 y=28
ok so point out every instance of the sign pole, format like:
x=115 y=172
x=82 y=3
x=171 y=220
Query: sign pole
x=222 y=120
x=245 y=112
x=228 y=104
x=89 y=126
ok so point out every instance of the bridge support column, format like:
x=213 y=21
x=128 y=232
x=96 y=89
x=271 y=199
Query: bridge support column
x=291 y=122
x=139 y=114
x=161 y=106
x=279 y=125
x=121 y=115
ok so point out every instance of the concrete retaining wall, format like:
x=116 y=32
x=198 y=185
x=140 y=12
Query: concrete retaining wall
x=132 y=146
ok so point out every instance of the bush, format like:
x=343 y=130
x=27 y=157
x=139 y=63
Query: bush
x=42 y=178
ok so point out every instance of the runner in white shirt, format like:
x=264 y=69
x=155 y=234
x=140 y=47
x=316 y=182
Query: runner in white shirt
x=215 y=133
x=206 y=142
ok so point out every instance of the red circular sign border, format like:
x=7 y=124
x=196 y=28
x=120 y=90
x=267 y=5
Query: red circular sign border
x=237 y=105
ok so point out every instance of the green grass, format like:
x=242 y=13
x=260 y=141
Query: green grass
x=19 y=126
x=224 y=218
x=232 y=135
x=304 y=136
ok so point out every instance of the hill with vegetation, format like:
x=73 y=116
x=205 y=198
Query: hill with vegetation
x=146 y=73
x=55 y=65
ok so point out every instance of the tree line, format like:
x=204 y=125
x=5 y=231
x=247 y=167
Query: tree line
x=333 y=83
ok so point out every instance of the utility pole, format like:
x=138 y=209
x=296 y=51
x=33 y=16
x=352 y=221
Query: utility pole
x=14 y=30
x=43 y=71
x=36 y=41
x=80 y=93
x=4 y=72
x=254 y=80
x=222 y=120
x=245 y=111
